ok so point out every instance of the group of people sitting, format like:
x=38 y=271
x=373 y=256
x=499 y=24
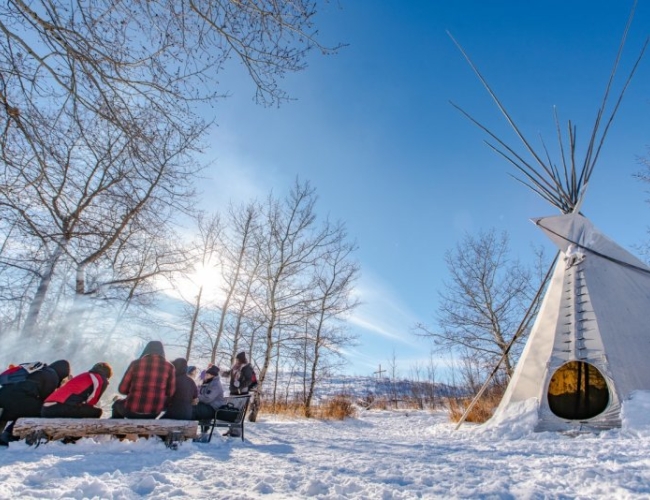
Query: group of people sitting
x=152 y=387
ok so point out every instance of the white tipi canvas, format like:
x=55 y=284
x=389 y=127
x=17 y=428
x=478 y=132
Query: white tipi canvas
x=589 y=347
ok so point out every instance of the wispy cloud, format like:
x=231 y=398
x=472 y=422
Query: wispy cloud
x=381 y=312
x=235 y=175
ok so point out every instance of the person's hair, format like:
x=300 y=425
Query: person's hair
x=103 y=368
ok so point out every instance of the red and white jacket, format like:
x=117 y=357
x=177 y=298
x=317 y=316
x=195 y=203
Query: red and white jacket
x=85 y=388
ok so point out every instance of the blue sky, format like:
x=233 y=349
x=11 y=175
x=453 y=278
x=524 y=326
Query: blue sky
x=373 y=130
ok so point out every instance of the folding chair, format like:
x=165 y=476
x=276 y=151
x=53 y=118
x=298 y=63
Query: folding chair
x=239 y=402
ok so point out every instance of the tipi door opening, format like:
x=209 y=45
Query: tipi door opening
x=577 y=391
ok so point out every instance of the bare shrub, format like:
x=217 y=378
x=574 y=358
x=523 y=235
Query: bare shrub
x=338 y=407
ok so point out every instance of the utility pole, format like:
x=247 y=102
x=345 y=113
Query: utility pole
x=379 y=372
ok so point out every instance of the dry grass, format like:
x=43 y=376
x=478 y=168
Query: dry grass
x=290 y=408
x=337 y=408
x=482 y=410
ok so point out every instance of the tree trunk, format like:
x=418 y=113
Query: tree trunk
x=195 y=316
x=31 y=319
x=255 y=405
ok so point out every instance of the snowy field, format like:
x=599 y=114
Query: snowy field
x=379 y=455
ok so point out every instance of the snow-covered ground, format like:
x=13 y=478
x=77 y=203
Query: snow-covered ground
x=378 y=455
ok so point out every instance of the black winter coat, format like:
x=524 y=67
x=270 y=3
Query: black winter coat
x=25 y=399
x=245 y=380
x=180 y=404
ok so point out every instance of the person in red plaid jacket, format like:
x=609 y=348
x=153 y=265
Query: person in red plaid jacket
x=148 y=383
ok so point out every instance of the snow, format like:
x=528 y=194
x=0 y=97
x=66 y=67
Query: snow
x=396 y=454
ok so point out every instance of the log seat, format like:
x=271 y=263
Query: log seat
x=38 y=430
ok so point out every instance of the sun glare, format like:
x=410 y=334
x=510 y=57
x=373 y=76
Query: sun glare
x=206 y=277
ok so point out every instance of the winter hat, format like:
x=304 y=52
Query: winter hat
x=181 y=365
x=191 y=370
x=154 y=347
x=103 y=368
x=62 y=368
x=213 y=370
x=241 y=357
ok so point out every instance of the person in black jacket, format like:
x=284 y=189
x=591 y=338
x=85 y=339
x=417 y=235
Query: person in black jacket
x=185 y=395
x=25 y=399
x=242 y=381
x=242 y=375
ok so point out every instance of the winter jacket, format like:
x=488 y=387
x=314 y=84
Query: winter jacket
x=85 y=388
x=211 y=393
x=180 y=404
x=25 y=399
x=241 y=377
x=149 y=381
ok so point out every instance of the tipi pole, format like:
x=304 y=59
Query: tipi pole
x=522 y=326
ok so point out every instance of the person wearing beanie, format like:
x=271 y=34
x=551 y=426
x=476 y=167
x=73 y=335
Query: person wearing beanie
x=210 y=395
x=242 y=381
x=148 y=384
x=78 y=397
x=242 y=375
x=185 y=395
x=25 y=398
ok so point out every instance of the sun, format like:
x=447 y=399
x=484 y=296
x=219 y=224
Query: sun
x=206 y=279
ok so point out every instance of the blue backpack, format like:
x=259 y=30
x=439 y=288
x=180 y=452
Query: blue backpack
x=19 y=373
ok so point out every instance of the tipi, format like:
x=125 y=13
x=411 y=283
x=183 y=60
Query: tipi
x=589 y=347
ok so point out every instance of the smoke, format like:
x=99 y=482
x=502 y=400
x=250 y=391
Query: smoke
x=90 y=332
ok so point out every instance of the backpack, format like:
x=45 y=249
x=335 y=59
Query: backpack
x=19 y=373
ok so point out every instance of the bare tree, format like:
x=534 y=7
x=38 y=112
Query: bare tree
x=393 y=373
x=293 y=243
x=430 y=391
x=88 y=195
x=239 y=269
x=333 y=282
x=483 y=304
x=206 y=256
x=116 y=57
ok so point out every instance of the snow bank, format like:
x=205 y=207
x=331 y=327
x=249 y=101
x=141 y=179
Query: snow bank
x=635 y=413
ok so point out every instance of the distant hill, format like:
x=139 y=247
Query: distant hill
x=362 y=388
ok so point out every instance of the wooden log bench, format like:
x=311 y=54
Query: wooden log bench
x=38 y=430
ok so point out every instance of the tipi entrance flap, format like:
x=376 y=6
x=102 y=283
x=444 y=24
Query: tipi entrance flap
x=577 y=391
